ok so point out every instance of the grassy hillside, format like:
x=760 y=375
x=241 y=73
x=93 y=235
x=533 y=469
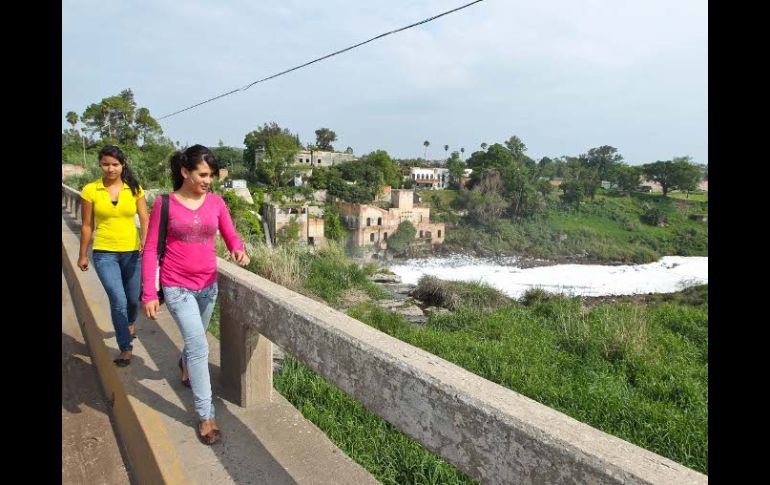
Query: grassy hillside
x=608 y=229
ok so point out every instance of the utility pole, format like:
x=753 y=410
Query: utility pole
x=83 y=138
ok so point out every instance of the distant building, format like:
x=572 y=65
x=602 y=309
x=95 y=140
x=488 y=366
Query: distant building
x=429 y=178
x=240 y=188
x=68 y=169
x=312 y=158
x=371 y=225
x=556 y=181
x=309 y=218
x=465 y=177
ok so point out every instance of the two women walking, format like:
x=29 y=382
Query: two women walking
x=188 y=270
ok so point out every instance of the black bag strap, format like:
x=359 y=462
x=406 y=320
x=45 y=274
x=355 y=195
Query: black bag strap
x=162 y=228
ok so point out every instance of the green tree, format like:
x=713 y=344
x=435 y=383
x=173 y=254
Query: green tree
x=516 y=147
x=462 y=152
x=485 y=202
x=228 y=157
x=72 y=118
x=277 y=166
x=114 y=119
x=497 y=157
x=324 y=139
x=146 y=126
x=402 y=237
x=545 y=187
x=627 y=178
x=678 y=174
x=456 y=169
x=446 y=149
x=687 y=174
x=333 y=227
x=257 y=140
x=579 y=181
x=572 y=192
x=426 y=144
x=603 y=159
x=484 y=145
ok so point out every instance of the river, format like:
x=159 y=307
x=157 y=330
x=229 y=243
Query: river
x=669 y=274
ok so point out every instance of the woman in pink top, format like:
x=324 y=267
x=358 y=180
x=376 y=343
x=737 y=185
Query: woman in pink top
x=188 y=273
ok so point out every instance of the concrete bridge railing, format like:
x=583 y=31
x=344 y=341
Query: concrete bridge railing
x=491 y=433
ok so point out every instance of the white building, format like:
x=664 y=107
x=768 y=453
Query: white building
x=429 y=178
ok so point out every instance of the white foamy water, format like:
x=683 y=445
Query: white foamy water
x=669 y=274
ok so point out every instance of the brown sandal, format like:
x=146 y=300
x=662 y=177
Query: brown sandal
x=209 y=438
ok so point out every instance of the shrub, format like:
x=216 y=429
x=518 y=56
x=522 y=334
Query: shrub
x=654 y=217
x=454 y=295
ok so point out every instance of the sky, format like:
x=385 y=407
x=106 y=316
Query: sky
x=564 y=76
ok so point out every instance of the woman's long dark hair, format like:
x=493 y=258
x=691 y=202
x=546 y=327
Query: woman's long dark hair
x=126 y=175
x=190 y=159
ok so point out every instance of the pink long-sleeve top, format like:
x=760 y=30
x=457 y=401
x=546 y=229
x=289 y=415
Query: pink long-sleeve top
x=190 y=260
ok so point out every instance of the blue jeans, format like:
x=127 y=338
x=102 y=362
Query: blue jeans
x=121 y=277
x=192 y=311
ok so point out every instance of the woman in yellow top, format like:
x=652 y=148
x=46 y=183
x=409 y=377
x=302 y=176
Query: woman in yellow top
x=109 y=207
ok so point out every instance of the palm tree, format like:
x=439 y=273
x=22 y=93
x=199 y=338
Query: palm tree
x=426 y=144
x=484 y=145
x=72 y=118
x=446 y=148
x=462 y=151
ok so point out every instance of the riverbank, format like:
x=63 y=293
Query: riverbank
x=611 y=229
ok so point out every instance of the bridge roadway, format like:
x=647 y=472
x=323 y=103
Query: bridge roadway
x=89 y=449
x=270 y=442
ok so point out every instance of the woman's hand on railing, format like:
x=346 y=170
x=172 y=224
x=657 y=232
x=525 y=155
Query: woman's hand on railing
x=240 y=257
x=83 y=263
x=151 y=309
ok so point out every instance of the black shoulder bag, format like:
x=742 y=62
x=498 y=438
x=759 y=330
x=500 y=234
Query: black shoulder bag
x=162 y=241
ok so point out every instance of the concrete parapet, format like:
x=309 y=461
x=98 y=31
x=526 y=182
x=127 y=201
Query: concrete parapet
x=491 y=433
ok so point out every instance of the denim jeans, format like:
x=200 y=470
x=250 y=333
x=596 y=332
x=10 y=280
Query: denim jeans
x=192 y=311
x=121 y=276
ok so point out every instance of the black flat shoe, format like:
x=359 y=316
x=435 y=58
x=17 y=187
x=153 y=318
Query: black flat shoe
x=122 y=362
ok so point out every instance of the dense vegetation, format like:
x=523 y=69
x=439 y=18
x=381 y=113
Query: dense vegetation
x=611 y=228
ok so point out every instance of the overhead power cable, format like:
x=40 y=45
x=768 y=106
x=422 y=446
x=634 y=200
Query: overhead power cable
x=244 y=88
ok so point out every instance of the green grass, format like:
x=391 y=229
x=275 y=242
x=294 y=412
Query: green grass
x=389 y=455
x=637 y=371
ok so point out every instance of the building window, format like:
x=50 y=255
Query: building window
x=427 y=234
x=420 y=233
x=371 y=237
x=379 y=221
x=307 y=160
x=439 y=233
x=368 y=221
x=385 y=236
